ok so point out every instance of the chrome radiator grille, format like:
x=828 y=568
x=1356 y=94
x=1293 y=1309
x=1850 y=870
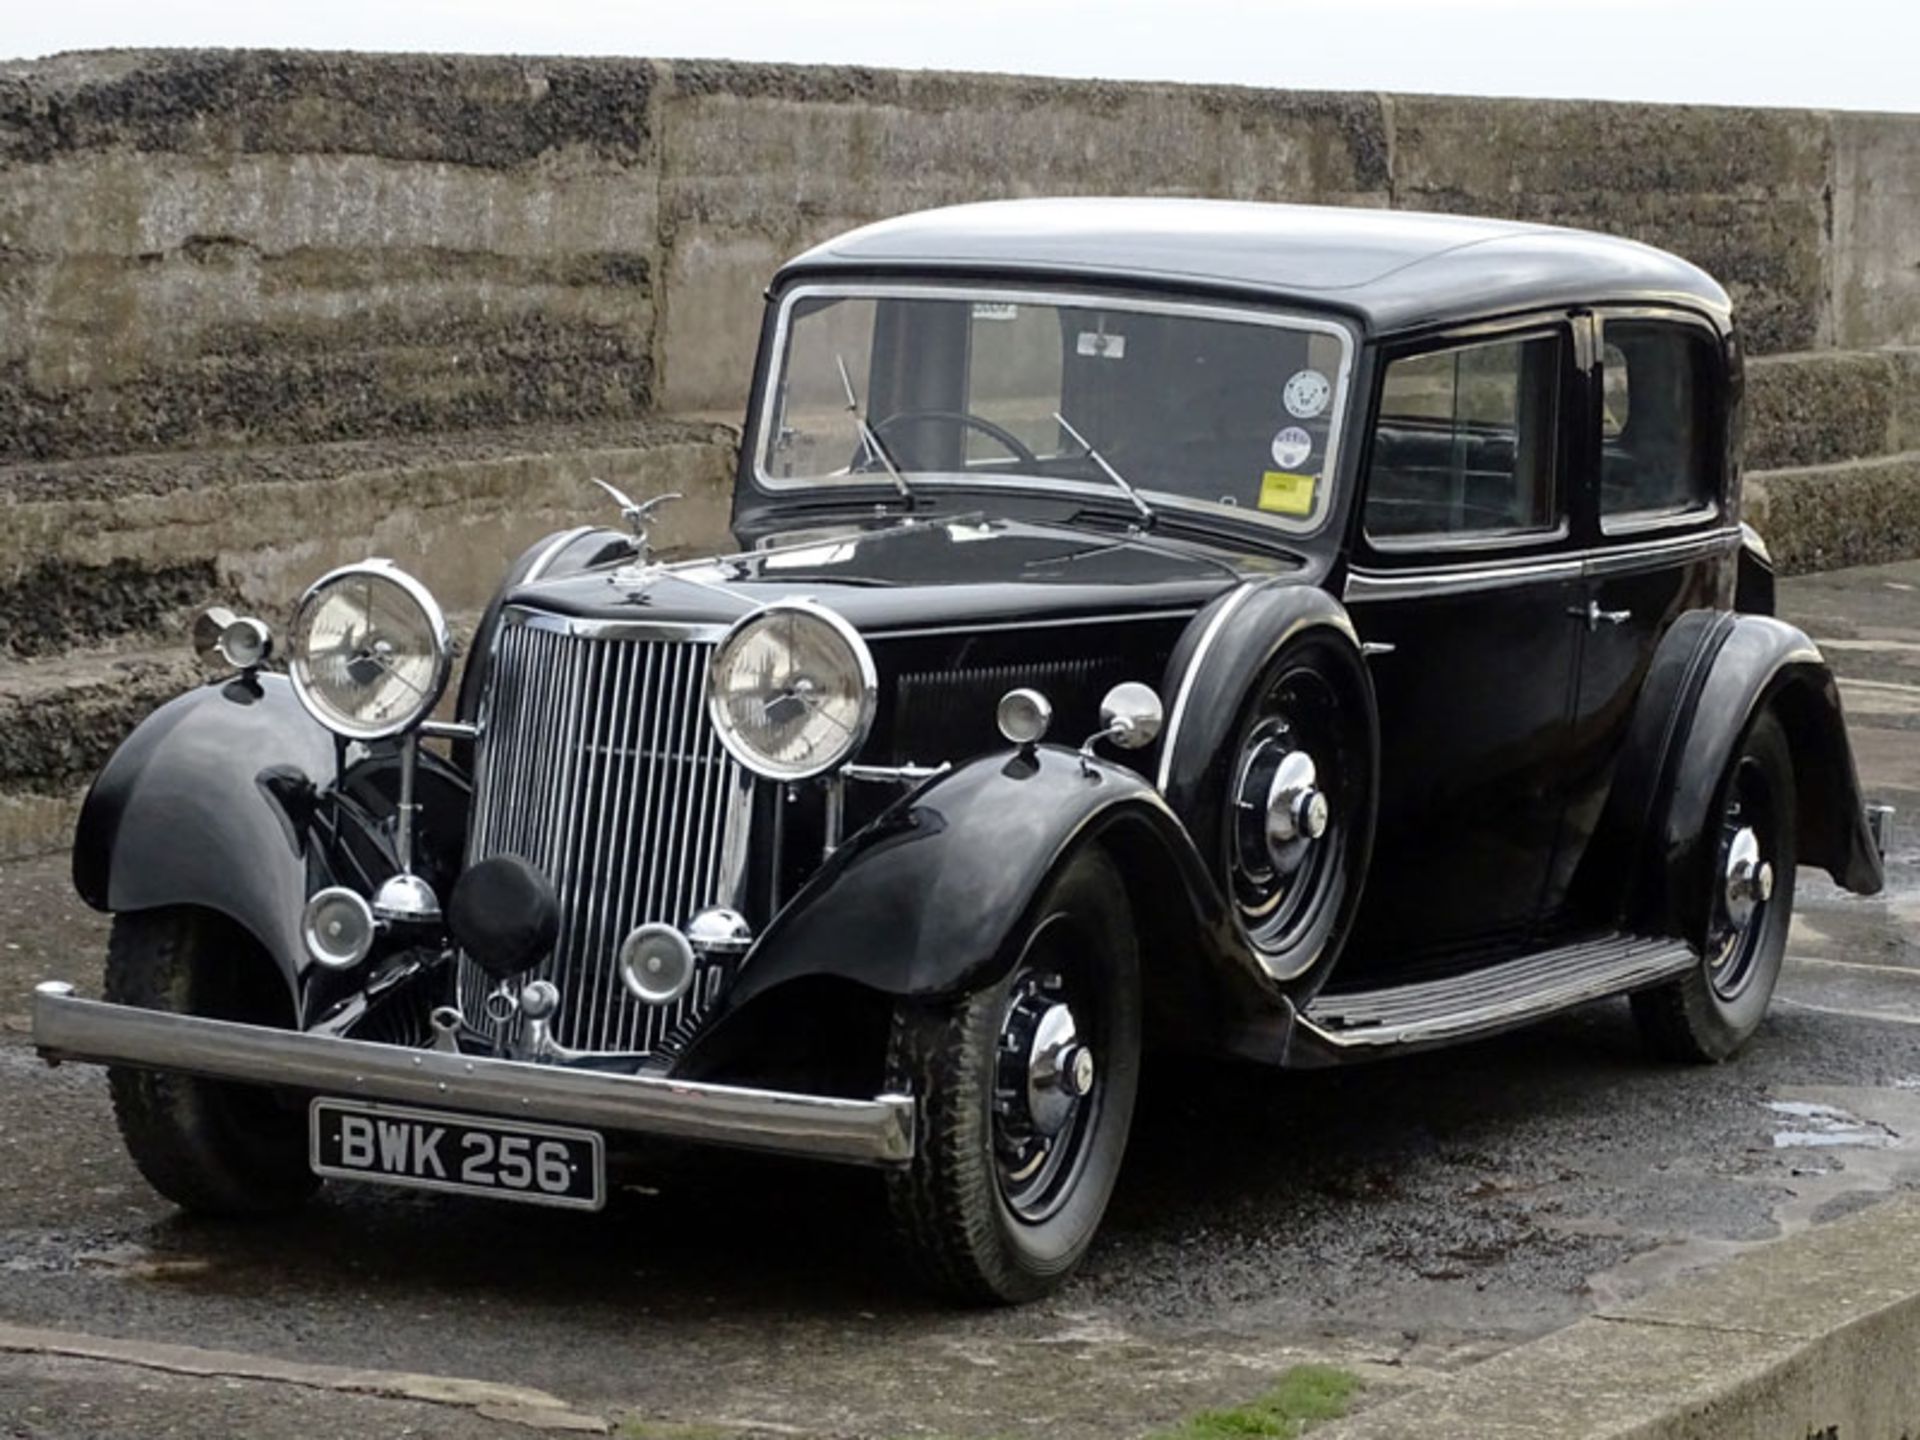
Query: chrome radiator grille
x=598 y=765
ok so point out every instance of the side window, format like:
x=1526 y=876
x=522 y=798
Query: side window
x=1464 y=443
x=1657 y=455
x=1014 y=374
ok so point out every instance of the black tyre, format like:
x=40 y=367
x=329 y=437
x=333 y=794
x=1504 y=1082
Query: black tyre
x=1297 y=830
x=211 y=1147
x=1709 y=1013
x=1026 y=1091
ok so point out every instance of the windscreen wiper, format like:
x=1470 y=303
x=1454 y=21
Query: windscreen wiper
x=1147 y=514
x=868 y=436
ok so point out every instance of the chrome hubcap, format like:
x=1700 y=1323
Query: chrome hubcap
x=1749 y=878
x=1296 y=808
x=1059 y=1071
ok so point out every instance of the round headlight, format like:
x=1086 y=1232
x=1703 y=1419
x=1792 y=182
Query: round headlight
x=368 y=652
x=792 y=691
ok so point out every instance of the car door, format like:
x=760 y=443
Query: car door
x=1651 y=517
x=1463 y=581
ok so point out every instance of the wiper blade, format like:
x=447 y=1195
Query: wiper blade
x=1147 y=513
x=868 y=436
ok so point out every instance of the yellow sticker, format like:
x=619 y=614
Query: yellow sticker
x=1286 y=494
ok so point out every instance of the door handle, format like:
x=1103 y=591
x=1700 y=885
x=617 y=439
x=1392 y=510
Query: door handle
x=1596 y=617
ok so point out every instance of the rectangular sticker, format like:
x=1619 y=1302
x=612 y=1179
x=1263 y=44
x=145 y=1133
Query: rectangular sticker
x=994 y=310
x=1286 y=494
x=1101 y=345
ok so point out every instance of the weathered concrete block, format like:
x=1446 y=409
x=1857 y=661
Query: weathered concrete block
x=1823 y=517
x=759 y=162
x=1876 y=241
x=1821 y=406
x=1739 y=192
x=146 y=539
x=242 y=247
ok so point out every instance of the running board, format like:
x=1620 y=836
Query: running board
x=1497 y=997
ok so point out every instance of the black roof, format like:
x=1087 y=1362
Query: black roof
x=1393 y=269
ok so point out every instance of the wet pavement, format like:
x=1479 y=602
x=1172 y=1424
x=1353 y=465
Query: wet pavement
x=1403 y=1218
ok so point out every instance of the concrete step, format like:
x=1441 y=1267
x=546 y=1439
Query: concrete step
x=62 y=716
x=1852 y=512
x=1823 y=406
x=119 y=549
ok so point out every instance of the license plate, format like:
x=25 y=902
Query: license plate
x=465 y=1154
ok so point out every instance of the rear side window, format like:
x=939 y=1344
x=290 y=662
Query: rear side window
x=1657 y=426
x=1464 y=443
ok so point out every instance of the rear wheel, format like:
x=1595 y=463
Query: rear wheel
x=1025 y=1093
x=209 y=1146
x=1713 y=1010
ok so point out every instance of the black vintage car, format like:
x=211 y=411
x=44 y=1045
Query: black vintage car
x=1306 y=635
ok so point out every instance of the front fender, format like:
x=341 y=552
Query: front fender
x=232 y=797
x=930 y=899
x=210 y=802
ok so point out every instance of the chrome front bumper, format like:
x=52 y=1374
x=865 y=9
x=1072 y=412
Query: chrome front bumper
x=870 y=1132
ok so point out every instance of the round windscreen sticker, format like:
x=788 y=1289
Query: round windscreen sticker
x=1291 y=448
x=1307 y=394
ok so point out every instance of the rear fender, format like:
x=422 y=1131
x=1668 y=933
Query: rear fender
x=1713 y=674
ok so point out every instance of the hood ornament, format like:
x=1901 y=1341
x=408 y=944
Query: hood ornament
x=637 y=518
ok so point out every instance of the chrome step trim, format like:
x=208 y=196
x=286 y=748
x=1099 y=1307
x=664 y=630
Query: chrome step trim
x=1497 y=997
x=872 y=1132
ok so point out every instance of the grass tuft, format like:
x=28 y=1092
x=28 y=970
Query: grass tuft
x=1306 y=1395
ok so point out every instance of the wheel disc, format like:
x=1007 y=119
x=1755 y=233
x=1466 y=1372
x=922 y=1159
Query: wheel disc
x=1743 y=881
x=1289 y=816
x=1047 y=1079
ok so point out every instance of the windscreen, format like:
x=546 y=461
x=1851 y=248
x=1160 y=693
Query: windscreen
x=1197 y=405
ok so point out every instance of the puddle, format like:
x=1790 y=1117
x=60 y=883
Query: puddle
x=1852 y=1138
x=1818 y=1126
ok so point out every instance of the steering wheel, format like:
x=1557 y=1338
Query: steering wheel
x=967 y=421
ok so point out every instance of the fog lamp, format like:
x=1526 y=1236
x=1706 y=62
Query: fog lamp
x=656 y=964
x=338 y=927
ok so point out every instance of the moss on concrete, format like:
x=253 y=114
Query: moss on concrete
x=1823 y=406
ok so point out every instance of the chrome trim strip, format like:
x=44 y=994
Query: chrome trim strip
x=1641 y=522
x=1497 y=998
x=547 y=556
x=589 y=629
x=1624 y=559
x=1171 y=737
x=1366 y=584
x=1411 y=584
x=1051 y=623
x=1093 y=297
x=873 y=1132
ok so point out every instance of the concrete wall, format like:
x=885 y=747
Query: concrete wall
x=219 y=248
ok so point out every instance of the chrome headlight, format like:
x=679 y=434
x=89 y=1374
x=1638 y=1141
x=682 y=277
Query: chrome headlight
x=792 y=691
x=368 y=653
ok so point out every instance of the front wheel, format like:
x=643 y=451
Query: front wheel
x=211 y=1147
x=1713 y=1010
x=1025 y=1092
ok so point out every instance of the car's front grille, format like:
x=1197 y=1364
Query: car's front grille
x=598 y=765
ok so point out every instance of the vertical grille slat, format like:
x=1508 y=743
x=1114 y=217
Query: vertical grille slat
x=597 y=765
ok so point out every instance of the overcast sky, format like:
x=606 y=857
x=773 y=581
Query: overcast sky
x=1857 y=54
